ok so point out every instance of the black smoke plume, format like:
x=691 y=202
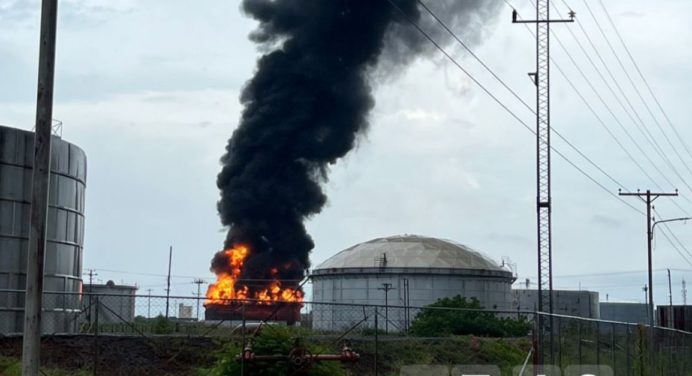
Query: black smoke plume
x=305 y=108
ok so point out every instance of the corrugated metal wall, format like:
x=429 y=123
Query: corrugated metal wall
x=63 y=264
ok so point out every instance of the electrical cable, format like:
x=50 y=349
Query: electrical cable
x=624 y=70
x=617 y=120
x=504 y=106
x=502 y=82
x=646 y=82
x=616 y=96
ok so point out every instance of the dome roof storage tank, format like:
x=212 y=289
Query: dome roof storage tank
x=63 y=262
x=406 y=270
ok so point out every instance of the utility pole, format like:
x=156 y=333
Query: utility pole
x=386 y=287
x=168 y=279
x=91 y=275
x=541 y=79
x=199 y=283
x=670 y=301
x=148 y=303
x=31 y=343
x=649 y=197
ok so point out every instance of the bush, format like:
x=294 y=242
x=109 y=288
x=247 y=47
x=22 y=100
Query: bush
x=273 y=340
x=162 y=326
x=441 y=322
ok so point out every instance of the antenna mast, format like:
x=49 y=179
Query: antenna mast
x=541 y=79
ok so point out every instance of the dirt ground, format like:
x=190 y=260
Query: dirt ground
x=121 y=355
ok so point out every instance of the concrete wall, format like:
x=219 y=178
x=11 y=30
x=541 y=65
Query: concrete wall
x=63 y=264
x=625 y=312
x=492 y=292
x=565 y=302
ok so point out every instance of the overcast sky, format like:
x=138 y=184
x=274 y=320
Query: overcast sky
x=149 y=89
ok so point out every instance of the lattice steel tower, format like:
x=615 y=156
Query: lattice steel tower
x=541 y=78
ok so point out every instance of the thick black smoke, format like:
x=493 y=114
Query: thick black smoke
x=303 y=110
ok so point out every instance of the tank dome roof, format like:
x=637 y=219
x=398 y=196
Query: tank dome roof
x=410 y=251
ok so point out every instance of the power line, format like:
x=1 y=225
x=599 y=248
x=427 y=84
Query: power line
x=608 y=274
x=665 y=235
x=645 y=132
x=499 y=102
x=657 y=146
x=617 y=120
x=646 y=82
x=612 y=113
x=677 y=240
x=636 y=89
x=143 y=273
x=468 y=49
x=665 y=228
x=600 y=120
x=675 y=237
x=603 y=124
x=612 y=91
x=502 y=82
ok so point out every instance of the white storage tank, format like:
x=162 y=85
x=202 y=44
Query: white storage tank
x=406 y=271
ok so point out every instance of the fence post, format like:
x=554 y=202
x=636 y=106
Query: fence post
x=598 y=343
x=671 y=365
x=376 y=341
x=96 y=337
x=628 y=365
x=536 y=340
x=559 y=341
x=612 y=346
x=579 y=340
x=244 y=345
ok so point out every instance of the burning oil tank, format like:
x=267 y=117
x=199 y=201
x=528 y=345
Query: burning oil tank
x=234 y=298
x=401 y=271
x=281 y=311
x=63 y=263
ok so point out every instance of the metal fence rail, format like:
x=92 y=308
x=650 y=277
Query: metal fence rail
x=623 y=347
x=390 y=339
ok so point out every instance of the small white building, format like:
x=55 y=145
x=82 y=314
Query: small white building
x=116 y=303
x=184 y=311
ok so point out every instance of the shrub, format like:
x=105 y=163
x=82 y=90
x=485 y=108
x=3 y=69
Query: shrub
x=464 y=320
x=162 y=326
x=273 y=340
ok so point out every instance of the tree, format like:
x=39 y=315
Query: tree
x=458 y=316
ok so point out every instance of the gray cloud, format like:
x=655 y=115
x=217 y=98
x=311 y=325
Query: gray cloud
x=606 y=221
x=152 y=100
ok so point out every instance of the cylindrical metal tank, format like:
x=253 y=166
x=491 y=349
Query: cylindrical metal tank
x=407 y=271
x=63 y=262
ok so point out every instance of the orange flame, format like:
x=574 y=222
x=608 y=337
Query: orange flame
x=227 y=286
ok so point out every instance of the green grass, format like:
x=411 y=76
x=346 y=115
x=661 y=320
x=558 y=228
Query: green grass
x=453 y=350
x=13 y=367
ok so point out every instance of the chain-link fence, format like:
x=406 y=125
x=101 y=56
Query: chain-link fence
x=627 y=349
x=111 y=334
